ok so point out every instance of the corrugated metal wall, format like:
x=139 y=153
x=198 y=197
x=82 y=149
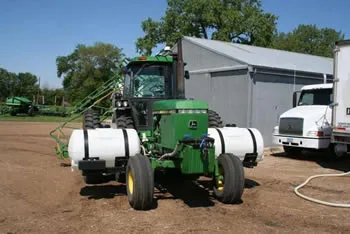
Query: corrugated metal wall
x=225 y=92
x=235 y=97
x=272 y=95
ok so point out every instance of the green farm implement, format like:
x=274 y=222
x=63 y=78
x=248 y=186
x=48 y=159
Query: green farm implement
x=21 y=105
x=154 y=128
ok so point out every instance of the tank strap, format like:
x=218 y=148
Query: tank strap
x=126 y=143
x=86 y=144
x=254 y=141
x=222 y=140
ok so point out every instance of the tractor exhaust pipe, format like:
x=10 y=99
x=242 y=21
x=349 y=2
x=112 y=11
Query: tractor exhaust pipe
x=180 y=79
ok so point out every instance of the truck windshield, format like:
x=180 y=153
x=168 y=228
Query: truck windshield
x=148 y=80
x=315 y=97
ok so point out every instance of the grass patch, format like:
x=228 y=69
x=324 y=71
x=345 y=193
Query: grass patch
x=37 y=118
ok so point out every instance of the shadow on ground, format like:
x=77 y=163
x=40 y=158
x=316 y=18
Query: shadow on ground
x=103 y=191
x=321 y=158
x=193 y=193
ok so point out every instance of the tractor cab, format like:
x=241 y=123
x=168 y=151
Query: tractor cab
x=146 y=79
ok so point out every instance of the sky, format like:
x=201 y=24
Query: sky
x=34 y=33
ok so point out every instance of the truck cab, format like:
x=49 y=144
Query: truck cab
x=308 y=124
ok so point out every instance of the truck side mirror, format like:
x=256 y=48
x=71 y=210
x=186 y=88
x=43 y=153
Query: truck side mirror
x=187 y=75
x=295 y=98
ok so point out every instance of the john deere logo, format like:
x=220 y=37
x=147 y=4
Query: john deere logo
x=192 y=124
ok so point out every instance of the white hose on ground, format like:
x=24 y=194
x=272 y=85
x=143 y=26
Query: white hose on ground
x=319 y=201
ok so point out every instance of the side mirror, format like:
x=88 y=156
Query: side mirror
x=295 y=98
x=187 y=75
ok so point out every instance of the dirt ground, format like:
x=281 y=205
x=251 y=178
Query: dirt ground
x=37 y=195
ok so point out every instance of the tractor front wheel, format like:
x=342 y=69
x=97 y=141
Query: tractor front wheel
x=140 y=182
x=229 y=188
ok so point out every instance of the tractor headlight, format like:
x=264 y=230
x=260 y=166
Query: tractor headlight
x=191 y=111
x=125 y=103
x=119 y=103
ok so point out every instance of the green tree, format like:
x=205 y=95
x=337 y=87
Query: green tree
x=26 y=85
x=240 y=21
x=87 y=67
x=51 y=94
x=21 y=84
x=6 y=83
x=308 y=39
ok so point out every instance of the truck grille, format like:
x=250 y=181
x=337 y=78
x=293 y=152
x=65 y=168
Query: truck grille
x=293 y=126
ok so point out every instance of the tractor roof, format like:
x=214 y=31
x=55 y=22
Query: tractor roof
x=166 y=59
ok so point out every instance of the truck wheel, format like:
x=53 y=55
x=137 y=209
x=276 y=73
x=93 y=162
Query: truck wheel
x=91 y=119
x=140 y=182
x=229 y=190
x=125 y=122
x=294 y=151
x=214 y=119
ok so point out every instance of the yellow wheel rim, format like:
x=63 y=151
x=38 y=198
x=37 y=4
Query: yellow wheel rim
x=130 y=182
x=220 y=183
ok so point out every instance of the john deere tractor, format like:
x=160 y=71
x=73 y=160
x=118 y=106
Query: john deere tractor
x=155 y=127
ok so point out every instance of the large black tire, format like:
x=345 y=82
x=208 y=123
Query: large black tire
x=124 y=121
x=214 y=120
x=91 y=119
x=293 y=151
x=140 y=182
x=231 y=168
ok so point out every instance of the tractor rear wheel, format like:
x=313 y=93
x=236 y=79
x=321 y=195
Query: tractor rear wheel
x=214 y=119
x=140 y=182
x=124 y=121
x=91 y=119
x=229 y=190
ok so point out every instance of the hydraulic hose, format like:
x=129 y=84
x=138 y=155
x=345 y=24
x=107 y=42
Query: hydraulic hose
x=342 y=205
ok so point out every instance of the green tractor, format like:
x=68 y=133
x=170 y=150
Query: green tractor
x=154 y=127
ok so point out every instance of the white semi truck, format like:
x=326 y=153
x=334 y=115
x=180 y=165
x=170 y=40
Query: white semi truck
x=308 y=124
x=341 y=103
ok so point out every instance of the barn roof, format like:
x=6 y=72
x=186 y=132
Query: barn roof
x=266 y=57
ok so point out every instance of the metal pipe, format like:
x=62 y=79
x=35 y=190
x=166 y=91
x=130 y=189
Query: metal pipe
x=172 y=153
x=180 y=80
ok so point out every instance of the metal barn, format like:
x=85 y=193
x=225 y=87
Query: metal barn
x=247 y=85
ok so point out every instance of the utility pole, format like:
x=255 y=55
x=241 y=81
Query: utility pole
x=37 y=99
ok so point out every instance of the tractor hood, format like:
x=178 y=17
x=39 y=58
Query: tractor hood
x=179 y=104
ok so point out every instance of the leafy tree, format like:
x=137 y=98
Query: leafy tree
x=87 y=67
x=21 y=84
x=240 y=21
x=6 y=83
x=308 y=39
x=51 y=94
x=25 y=85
